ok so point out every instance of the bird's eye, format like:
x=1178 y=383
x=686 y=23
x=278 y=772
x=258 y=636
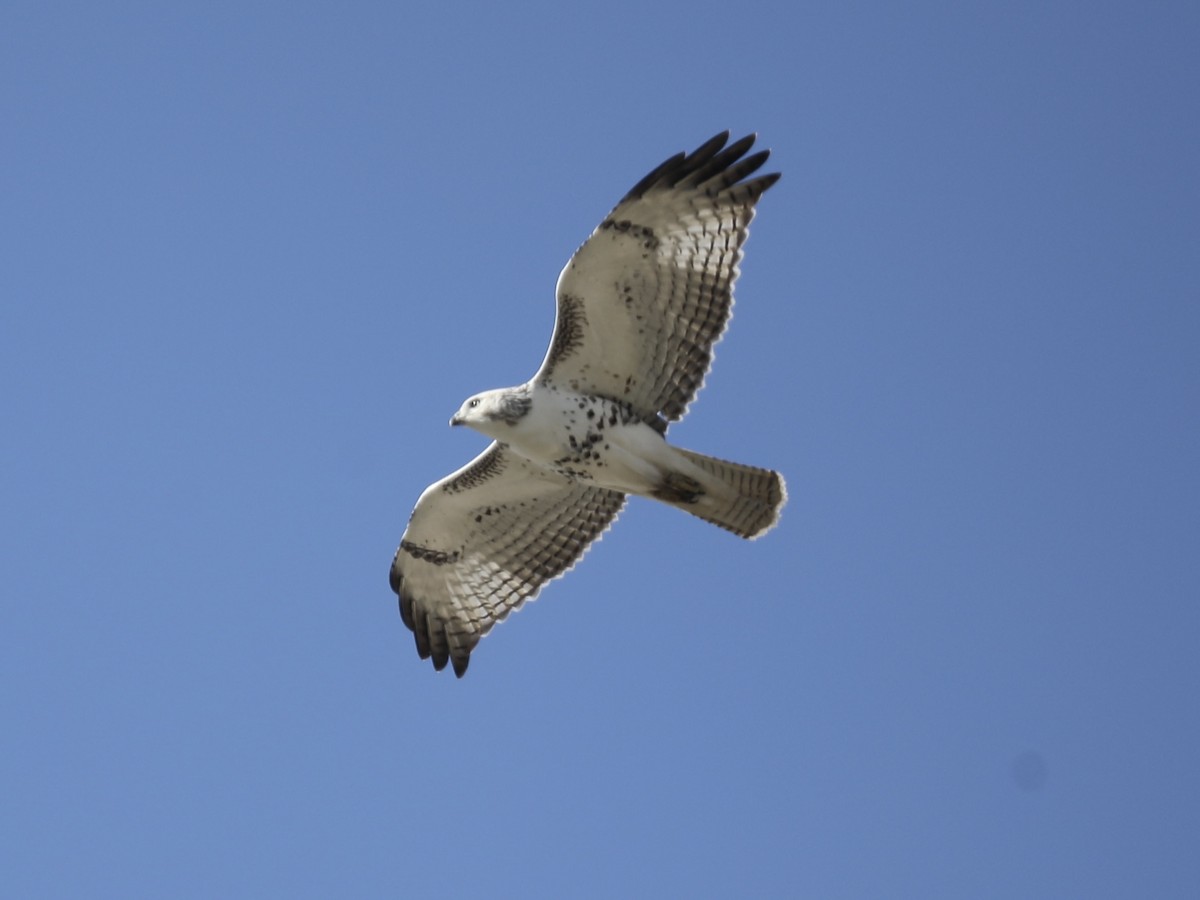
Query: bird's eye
x=473 y=403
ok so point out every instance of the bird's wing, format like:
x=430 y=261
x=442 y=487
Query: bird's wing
x=484 y=540
x=643 y=301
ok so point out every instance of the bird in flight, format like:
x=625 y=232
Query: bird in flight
x=640 y=306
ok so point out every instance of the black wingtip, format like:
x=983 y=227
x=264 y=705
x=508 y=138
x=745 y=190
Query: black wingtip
x=395 y=579
x=655 y=175
x=709 y=149
x=431 y=635
x=713 y=165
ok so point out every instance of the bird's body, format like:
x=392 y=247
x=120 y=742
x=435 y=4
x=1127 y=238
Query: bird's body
x=605 y=443
x=593 y=439
x=640 y=306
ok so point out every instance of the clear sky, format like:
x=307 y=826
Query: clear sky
x=254 y=255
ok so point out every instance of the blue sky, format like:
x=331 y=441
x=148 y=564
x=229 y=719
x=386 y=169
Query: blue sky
x=254 y=257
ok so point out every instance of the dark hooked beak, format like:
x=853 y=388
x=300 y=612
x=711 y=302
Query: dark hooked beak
x=455 y=420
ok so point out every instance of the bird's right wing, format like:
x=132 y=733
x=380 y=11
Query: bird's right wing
x=484 y=540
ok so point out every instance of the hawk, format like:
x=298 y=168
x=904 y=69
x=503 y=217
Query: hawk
x=640 y=306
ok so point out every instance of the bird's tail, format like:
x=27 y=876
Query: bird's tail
x=743 y=499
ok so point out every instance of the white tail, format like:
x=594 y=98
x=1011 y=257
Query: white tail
x=743 y=499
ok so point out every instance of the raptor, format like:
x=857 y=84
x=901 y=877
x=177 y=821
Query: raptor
x=640 y=306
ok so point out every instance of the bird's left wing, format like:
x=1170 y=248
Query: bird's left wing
x=484 y=540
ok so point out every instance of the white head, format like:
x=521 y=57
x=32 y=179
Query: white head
x=494 y=412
